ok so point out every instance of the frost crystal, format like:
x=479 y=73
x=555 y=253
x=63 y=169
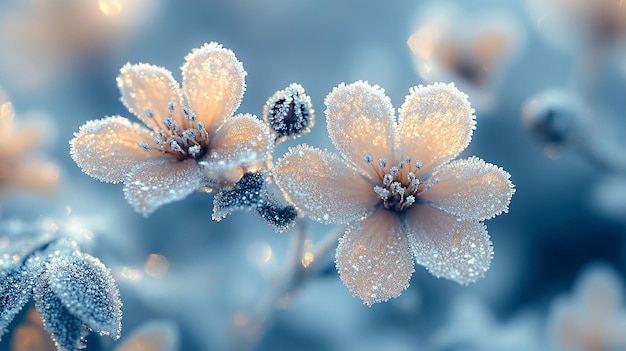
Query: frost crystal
x=249 y=194
x=190 y=137
x=289 y=113
x=398 y=188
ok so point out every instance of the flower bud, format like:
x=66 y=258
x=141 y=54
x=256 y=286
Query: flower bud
x=289 y=113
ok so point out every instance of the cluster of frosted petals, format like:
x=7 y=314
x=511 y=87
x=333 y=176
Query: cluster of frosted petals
x=397 y=186
x=189 y=138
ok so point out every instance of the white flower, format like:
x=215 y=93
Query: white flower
x=398 y=188
x=190 y=139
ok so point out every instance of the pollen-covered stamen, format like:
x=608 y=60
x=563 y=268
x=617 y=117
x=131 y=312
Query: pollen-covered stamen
x=182 y=139
x=400 y=184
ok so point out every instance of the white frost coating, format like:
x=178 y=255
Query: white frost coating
x=242 y=139
x=323 y=185
x=107 y=149
x=153 y=184
x=360 y=121
x=155 y=335
x=148 y=87
x=87 y=290
x=436 y=123
x=448 y=247
x=472 y=189
x=213 y=83
x=373 y=258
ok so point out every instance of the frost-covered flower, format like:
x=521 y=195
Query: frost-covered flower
x=20 y=167
x=593 y=318
x=398 y=188
x=190 y=139
x=471 y=49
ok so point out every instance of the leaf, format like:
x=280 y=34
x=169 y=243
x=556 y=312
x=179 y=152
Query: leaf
x=66 y=330
x=87 y=290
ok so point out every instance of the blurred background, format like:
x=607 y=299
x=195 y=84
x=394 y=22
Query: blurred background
x=547 y=80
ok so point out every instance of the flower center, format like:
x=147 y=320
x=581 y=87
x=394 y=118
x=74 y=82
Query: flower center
x=189 y=140
x=400 y=185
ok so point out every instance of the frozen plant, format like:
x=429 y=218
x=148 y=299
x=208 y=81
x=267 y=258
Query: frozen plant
x=398 y=187
x=20 y=166
x=593 y=317
x=190 y=140
x=289 y=113
x=471 y=49
x=74 y=292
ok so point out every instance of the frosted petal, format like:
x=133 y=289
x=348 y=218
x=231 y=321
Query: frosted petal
x=600 y=292
x=447 y=246
x=67 y=330
x=436 y=123
x=360 y=120
x=157 y=335
x=471 y=189
x=155 y=183
x=241 y=140
x=324 y=186
x=374 y=259
x=87 y=290
x=107 y=149
x=147 y=87
x=7 y=114
x=214 y=83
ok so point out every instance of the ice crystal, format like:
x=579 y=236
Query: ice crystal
x=250 y=194
x=399 y=188
x=192 y=139
x=289 y=113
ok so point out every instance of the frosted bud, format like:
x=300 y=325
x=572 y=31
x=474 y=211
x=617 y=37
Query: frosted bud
x=289 y=113
x=554 y=117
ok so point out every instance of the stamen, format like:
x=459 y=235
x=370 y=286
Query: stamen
x=144 y=145
x=387 y=179
x=418 y=164
x=401 y=164
x=382 y=162
x=175 y=147
x=394 y=170
x=171 y=106
x=383 y=193
x=408 y=160
x=150 y=113
x=170 y=123
x=410 y=177
x=194 y=150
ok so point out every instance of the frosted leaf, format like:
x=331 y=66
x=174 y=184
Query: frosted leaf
x=436 y=123
x=213 y=83
x=245 y=195
x=156 y=335
x=155 y=183
x=249 y=194
x=15 y=291
x=289 y=113
x=374 y=259
x=323 y=186
x=67 y=330
x=107 y=149
x=361 y=120
x=447 y=246
x=472 y=189
x=147 y=87
x=241 y=140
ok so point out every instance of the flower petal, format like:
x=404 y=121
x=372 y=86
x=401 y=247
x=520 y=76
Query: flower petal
x=471 y=189
x=155 y=183
x=324 y=186
x=107 y=149
x=241 y=140
x=447 y=246
x=374 y=259
x=360 y=120
x=147 y=87
x=436 y=123
x=214 y=83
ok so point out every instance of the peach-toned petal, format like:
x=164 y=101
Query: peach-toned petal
x=35 y=175
x=241 y=140
x=7 y=114
x=148 y=87
x=213 y=83
x=360 y=120
x=155 y=183
x=374 y=259
x=447 y=246
x=471 y=189
x=436 y=123
x=323 y=186
x=107 y=149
